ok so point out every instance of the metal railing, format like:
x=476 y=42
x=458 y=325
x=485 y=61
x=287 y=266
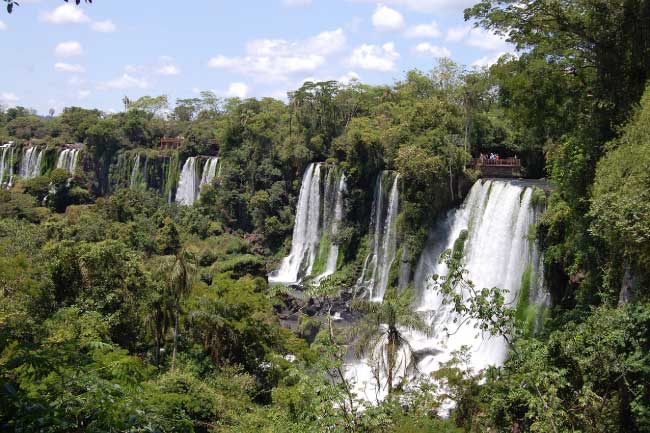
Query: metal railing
x=502 y=162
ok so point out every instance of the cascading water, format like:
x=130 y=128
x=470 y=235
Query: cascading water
x=31 y=163
x=319 y=214
x=7 y=166
x=135 y=172
x=188 y=185
x=498 y=253
x=67 y=160
x=338 y=189
x=383 y=229
x=209 y=171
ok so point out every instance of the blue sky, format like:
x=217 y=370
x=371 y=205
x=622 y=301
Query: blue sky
x=56 y=55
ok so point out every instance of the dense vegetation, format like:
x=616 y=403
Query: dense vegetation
x=122 y=311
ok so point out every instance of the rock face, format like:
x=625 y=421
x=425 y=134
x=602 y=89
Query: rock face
x=295 y=303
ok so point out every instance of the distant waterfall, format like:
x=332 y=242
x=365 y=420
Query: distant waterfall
x=336 y=185
x=188 y=185
x=67 y=160
x=7 y=166
x=383 y=231
x=498 y=253
x=314 y=249
x=31 y=163
x=135 y=172
x=210 y=171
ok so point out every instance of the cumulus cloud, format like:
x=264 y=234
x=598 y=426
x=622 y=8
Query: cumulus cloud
x=428 y=6
x=276 y=59
x=68 y=49
x=349 y=78
x=297 y=3
x=237 y=90
x=387 y=20
x=83 y=94
x=66 y=14
x=66 y=67
x=166 y=67
x=487 y=61
x=426 y=48
x=424 y=31
x=126 y=81
x=168 y=70
x=8 y=98
x=374 y=57
x=478 y=38
x=103 y=26
x=69 y=13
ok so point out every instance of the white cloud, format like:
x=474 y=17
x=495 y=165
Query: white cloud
x=68 y=49
x=65 y=14
x=478 y=38
x=487 y=61
x=66 y=67
x=103 y=26
x=83 y=94
x=3 y=26
x=8 y=98
x=237 y=90
x=349 y=78
x=457 y=34
x=276 y=59
x=426 y=48
x=168 y=70
x=387 y=20
x=126 y=81
x=428 y=6
x=424 y=31
x=375 y=58
x=167 y=67
x=297 y=3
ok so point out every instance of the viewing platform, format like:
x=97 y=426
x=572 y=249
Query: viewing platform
x=504 y=167
x=171 y=143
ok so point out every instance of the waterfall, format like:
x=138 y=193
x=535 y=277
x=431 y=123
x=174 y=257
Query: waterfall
x=498 y=253
x=188 y=186
x=67 y=160
x=135 y=172
x=383 y=229
x=209 y=171
x=31 y=163
x=6 y=165
x=338 y=189
x=319 y=213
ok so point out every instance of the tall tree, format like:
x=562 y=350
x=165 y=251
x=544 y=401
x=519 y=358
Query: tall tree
x=380 y=334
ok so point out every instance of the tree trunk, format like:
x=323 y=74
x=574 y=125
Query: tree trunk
x=176 y=321
x=157 y=351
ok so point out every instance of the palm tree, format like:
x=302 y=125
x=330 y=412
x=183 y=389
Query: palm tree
x=380 y=333
x=158 y=319
x=179 y=275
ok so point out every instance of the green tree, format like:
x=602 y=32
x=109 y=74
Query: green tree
x=380 y=334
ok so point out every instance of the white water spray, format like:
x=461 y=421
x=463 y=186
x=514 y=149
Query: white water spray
x=68 y=159
x=7 y=166
x=31 y=163
x=188 y=185
x=498 y=253
x=383 y=228
x=318 y=217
